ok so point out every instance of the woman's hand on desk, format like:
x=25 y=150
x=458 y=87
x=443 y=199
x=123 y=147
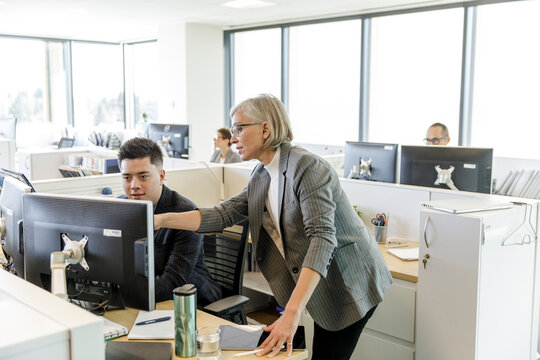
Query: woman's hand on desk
x=281 y=332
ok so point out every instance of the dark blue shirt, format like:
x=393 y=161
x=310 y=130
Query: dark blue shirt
x=179 y=255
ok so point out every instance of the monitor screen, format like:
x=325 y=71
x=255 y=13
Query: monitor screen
x=371 y=161
x=119 y=250
x=8 y=127
x=11 y=207
x=174 y=138
x=469 y=169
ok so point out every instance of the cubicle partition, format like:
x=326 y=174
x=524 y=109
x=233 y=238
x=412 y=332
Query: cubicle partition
x=199 y=184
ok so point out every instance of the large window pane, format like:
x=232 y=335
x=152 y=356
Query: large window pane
x=506 y=106
x=324 y=84
x=145 y=74
x=257 y=63
x=33 y=89
x=98 y=96
x=415 y=75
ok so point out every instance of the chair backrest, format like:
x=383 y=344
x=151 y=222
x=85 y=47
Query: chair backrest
x=225 y=255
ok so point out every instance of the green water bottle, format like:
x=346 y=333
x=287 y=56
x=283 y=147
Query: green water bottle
x=185 y=316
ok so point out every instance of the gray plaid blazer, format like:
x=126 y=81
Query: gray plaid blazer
x=319 y=229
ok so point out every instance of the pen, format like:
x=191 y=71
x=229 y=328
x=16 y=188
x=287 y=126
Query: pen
x=146 y=322
x=247 y=353
x=252 y=352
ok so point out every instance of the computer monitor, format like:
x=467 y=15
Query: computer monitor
x=8 y=127
x=11 y=207
x=119 y=252
x=446 y=167
x=174 y=138
x=371 y=161
x=16 y=175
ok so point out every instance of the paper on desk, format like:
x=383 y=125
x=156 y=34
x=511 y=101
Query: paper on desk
x=405 y=254
x=159 y=330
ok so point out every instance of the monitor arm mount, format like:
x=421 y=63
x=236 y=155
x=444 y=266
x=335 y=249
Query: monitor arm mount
x=362 y=170
x=164 y=144
x=73 y=253
x=444 y=176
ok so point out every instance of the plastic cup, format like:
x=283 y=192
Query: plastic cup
x=208 y=343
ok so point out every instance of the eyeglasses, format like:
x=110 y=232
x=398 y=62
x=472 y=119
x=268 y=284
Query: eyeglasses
x=236 y=129
x=434 y=141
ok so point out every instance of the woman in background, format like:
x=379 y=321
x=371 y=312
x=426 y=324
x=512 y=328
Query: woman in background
x=223 y=153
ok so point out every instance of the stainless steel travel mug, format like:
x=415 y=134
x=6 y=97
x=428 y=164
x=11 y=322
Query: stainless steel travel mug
x=185 y=316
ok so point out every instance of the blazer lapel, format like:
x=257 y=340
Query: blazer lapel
x=283 y=163
x=257 y=199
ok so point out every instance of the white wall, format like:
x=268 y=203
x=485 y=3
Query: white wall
x=191 y=81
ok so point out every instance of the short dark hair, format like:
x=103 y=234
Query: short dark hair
x=445 y=132
x=139 y=148
x=225 y=134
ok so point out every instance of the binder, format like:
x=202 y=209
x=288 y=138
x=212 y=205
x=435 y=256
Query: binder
x=113 y=330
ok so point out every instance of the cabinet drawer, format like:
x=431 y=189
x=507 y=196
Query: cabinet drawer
x=374 y=348
x=395 y=315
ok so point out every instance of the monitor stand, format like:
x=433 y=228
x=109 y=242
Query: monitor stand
x=444 y=176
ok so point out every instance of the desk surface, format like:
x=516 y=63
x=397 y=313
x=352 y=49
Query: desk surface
x=127 y=317
x=404 y=270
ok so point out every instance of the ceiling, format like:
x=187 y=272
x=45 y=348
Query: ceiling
x=125 y=20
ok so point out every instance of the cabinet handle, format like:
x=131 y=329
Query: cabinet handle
x=425 y=232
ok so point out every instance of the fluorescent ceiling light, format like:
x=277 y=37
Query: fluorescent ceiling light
x=247 y=4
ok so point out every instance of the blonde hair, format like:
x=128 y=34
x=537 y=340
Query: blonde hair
x=266 y=107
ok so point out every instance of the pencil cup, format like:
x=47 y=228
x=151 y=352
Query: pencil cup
x=208 y=343
x=380 y=233
x=185 y=312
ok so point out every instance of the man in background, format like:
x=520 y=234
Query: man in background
x=178 y=254
x=437 y=134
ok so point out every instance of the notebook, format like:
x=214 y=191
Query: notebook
x=408 y=254
x=466 y=205
x=159 y=330
x=126 y=350
x=113 y=330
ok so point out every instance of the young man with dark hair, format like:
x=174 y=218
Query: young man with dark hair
x=178 y=254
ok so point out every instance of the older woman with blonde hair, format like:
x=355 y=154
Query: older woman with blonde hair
x=312 y=248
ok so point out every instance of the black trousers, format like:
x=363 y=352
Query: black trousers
x=338 y=345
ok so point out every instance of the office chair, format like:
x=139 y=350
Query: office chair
x=225 y=255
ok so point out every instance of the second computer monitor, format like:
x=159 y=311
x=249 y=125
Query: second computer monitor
x=119 y=250
x=174 y=138
x=11 y=206
x=468 y=169
x=371 y=161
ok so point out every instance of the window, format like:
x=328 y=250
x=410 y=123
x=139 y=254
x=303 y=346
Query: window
x=144 y=74
x=98 y=96
x=505 y=110
x=415 y=75
x=33 y=88
x=257 y=63
x=324 y=85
